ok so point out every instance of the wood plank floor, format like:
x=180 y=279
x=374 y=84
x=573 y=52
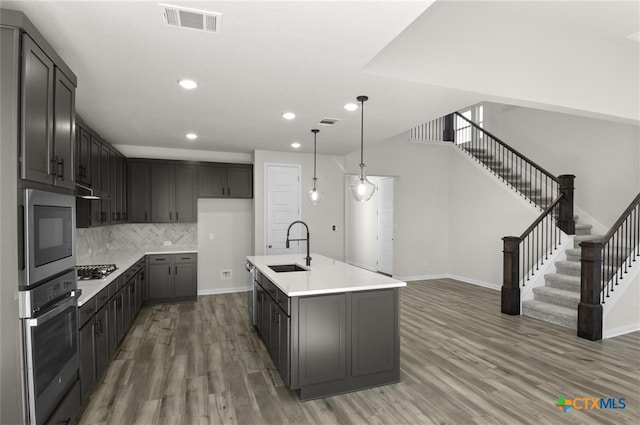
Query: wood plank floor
x=462 y=362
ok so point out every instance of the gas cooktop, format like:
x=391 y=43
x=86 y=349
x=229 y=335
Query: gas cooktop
x=95 y=271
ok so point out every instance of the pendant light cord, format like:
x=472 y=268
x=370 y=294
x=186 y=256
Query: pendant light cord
x=315 y=134
x=362 y=99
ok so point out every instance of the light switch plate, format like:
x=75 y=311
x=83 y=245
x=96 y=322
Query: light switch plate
x=166 y=243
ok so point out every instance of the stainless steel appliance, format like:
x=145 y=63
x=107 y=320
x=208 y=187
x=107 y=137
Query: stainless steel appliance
x=250 y=291
x=99 y=271
x=48 y=236
x=49 y=316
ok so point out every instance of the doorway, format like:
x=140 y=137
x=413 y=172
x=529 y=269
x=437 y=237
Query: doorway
x=369 y=227
x=282 y=207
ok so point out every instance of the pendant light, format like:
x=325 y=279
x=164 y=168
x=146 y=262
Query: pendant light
x=314 y=195
x=362 y=190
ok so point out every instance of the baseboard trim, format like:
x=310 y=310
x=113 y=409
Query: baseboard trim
x=621 y=330
x=476 y=282
x=216 y=291
x=452 y=276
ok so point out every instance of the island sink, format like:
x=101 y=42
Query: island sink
x=283 y=268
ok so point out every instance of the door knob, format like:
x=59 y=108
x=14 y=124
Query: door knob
x=269 y=246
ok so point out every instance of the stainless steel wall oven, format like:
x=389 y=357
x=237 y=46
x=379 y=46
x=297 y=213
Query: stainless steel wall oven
x=49 y=315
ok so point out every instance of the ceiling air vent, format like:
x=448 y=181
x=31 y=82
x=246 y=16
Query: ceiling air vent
x=328 y=121
x=185 y=17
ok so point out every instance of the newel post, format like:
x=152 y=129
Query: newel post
x=589 y=308
x=566 y=222
x=510 y=303
x=449 y=132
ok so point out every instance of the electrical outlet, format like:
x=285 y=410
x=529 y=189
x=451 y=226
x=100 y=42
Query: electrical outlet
x=225 y=274
x=166 y=243
x=211 y=236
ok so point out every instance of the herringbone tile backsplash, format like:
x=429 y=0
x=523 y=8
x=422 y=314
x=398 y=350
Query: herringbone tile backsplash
x=135 y=236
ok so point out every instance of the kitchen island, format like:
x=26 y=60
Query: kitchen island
x=330 y=328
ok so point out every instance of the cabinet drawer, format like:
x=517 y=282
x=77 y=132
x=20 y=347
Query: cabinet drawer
x=160 y=259
x=102 y=298
x=186 y=258
x=131 y=271
x=284 y=302
x=87 y=311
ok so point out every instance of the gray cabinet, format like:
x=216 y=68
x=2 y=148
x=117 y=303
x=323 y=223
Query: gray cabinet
x=225 y=181
x=329 y=344
x=48 y=119
x=87 y=360
x=139 y=192
x=172 y=193
x=322 y=349
x=171 y=278
x=101 y=342
x=64 y=108
x=83 y=156
x=37 y=113
x=273 y=324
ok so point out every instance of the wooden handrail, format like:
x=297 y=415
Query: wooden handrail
x=621 y=220
x=542 y=216
x=548 y=174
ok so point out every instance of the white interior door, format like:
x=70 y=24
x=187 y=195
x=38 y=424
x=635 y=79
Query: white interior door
x=385 y=225
x=282 y=208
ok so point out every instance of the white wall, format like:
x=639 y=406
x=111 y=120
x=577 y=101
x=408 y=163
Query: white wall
x=229 y=220
x=421 y=199
x=321 y=217
x=481 y=211
x=622 y=312
x=361 y=227
x=603 y=155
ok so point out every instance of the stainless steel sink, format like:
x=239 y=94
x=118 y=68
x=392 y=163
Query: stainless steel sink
x=284 y=268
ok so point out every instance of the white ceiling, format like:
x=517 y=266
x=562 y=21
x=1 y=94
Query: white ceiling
x=415 y=62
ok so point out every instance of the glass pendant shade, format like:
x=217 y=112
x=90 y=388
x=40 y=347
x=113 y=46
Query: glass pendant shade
x=362 y=189
x=314 y=196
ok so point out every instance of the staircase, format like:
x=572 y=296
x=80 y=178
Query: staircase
x=557 y=301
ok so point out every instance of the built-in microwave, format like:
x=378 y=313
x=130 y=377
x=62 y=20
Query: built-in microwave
x=48 y=236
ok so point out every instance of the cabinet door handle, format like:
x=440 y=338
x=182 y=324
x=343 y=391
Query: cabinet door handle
x=169 y=270
x=176 y=215
x=61 y=168
x=222 y=190
x=176 y=270
x=145 y=216
x=228 y=191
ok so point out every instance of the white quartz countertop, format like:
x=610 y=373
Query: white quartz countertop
x=123 y=259
x=324 y=276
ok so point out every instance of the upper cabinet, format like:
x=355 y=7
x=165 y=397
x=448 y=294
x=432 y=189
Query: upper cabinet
x=225 y=181
x=47 y=119
x=102 y=168
x=172 y=194
x=163 y=191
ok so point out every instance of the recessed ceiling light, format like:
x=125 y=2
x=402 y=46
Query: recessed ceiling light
x=634 y=37
x=288 y=115
x=295 y=145
x=191 y=136
x=350 y=107
x=188 y=84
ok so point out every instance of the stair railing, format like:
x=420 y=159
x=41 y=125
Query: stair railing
x=524 y=254
x=511 y=166
x=604 y=264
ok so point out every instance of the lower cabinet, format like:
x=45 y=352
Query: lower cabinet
x=273 y=324
x=331 y=343
x=172 y=277
x=87 y=360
